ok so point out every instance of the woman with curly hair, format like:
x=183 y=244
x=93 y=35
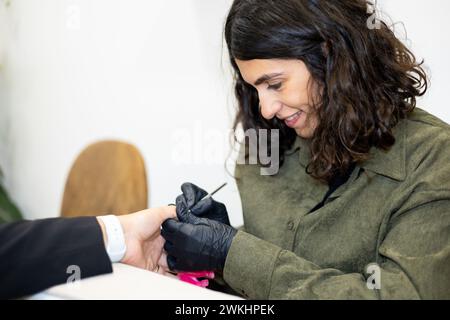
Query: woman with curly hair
x=360 y=208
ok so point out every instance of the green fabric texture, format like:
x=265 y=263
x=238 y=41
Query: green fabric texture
x=394 y=211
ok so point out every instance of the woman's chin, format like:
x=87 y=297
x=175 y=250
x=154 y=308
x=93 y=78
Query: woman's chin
x=304 y=133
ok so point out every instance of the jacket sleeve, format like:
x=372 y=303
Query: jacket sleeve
x=413 y=261
x=35 y=255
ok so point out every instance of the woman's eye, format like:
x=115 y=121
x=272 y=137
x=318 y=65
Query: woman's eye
x=275 y=86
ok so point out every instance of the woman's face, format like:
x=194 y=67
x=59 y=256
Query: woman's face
x=284 y=91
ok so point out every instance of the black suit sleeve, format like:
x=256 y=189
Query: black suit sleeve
x=35 y=255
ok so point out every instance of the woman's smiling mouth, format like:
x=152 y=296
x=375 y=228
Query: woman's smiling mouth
x=292 y=120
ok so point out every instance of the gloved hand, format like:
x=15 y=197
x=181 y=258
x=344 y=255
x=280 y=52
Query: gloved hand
x=208 y=208
x=196 y=244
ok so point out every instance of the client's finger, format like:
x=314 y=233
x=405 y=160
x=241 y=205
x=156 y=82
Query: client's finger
x=168 y=212
x=163 y=262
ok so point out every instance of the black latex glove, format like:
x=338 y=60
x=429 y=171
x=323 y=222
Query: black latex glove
x=196 y=244
x=208 y=208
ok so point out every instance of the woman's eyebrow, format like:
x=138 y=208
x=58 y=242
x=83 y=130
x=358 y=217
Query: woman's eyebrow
x=266 y=77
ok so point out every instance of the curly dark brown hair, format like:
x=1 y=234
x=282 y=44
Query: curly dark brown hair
x=368 y=78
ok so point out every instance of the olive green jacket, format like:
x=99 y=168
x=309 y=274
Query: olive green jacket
x=394 y=212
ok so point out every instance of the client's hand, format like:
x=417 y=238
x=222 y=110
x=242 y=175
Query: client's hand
x=143 y=237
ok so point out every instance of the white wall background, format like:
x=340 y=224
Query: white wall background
x=148 y=72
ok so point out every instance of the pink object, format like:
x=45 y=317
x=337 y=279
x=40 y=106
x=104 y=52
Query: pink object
x=191 y=277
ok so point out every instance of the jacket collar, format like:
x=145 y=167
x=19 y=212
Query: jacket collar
x=390 y=163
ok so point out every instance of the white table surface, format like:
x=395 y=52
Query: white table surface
x=127 y=282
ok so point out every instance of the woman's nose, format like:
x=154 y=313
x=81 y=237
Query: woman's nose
x=269 y=107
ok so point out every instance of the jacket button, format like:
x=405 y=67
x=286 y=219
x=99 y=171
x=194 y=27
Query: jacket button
x=290 y=225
